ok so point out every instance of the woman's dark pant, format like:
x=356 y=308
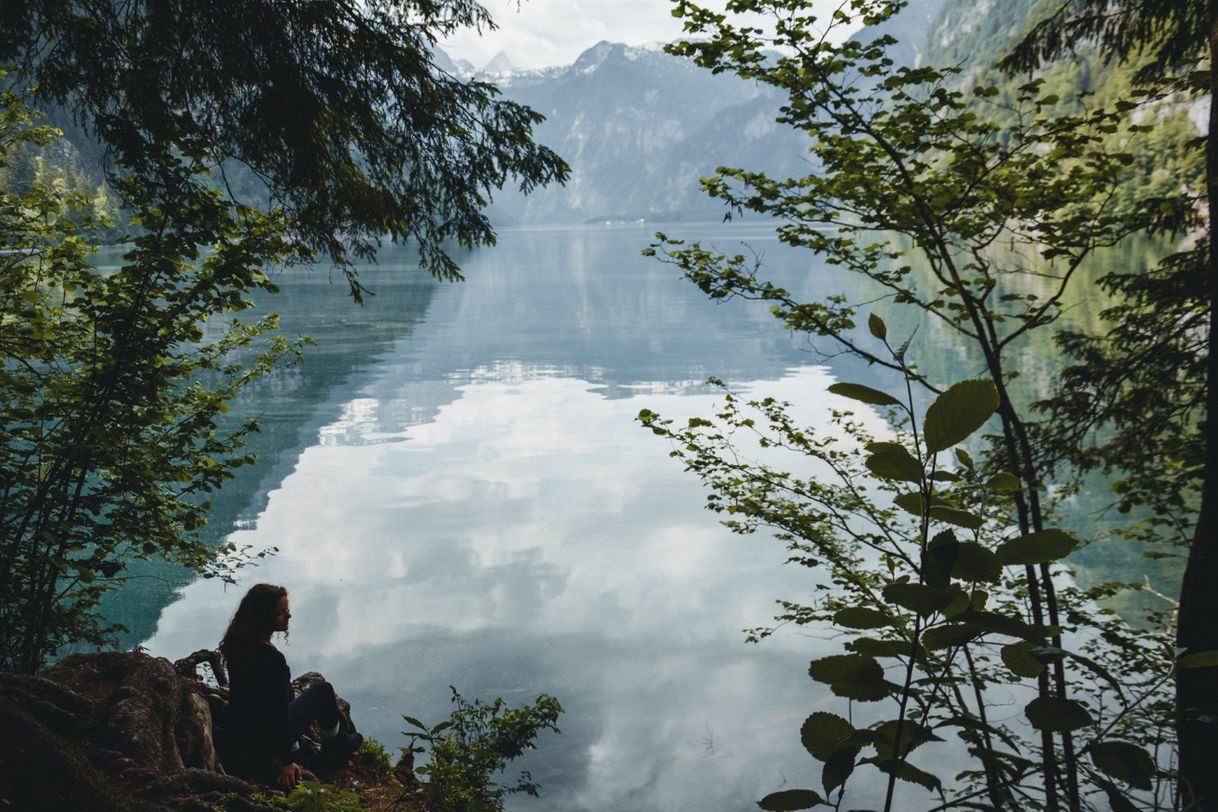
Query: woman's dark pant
x=317 y=703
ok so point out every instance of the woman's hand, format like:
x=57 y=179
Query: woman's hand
x=290 y=775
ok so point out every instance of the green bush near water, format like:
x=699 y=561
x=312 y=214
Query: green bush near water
x=372 y=757
x=312 y=796
x=474 y=744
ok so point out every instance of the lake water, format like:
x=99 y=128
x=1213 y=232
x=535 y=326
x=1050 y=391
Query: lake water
x=461 y=495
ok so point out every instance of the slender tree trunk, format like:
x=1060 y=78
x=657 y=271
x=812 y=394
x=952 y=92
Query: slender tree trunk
x=1197 y=688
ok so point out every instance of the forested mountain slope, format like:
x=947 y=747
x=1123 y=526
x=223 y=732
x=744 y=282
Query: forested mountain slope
x=975 y=35
x=640 y=127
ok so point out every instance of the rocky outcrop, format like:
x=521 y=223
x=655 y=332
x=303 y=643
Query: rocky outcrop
x=118 y=731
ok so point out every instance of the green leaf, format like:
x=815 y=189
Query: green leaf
x=949 y=635
x=1037 y=548
x=823 y=734
x=843 y=667
x=853 y=676
x=913 y=736
x=838 y=768
x=898 y=465
x=956 y=516
x=962 y=602
x=976 y=563
x=1003 y=482
x=790 y=799
x=920 y=598
x=1056 y=714
x=978 y=599
x=939 y=510
x=1199 y=659
x=911 y=502
x=865 y=394
x=1018 y=658
x=861 y=617
x=957 y=413
x=939 y=558
x=965 y=459
x=877 y=327
x=1124 y=762
x=410 y=720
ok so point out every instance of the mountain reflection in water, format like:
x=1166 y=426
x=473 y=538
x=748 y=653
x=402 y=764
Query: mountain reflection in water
x=460 y=495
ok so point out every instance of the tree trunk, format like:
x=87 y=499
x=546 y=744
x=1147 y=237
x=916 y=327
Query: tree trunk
x=1197 y=688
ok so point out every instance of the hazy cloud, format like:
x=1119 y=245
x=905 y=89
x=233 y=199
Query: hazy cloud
x=541 y=33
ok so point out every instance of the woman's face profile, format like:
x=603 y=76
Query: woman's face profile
x=282 y=614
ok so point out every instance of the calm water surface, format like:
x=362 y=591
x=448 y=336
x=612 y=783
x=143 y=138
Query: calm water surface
x=461 y=496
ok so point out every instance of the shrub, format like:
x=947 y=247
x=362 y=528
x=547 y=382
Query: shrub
x=311 y=796
x=474 y=744
x=373 y=758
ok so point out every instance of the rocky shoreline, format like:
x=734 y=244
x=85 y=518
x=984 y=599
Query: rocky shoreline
x=125 y=732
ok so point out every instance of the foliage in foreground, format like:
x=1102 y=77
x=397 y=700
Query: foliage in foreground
x=114 y=381
x=373 y=758
x=943 y=574
x=925 y=584
x=1153 y=384
x=470 y=748
x=59 y=165
x=337 y=109
x=313 y=796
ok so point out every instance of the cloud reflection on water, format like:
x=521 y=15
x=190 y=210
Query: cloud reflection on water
x=532 y=537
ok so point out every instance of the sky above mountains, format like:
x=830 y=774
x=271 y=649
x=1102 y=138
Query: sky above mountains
x=542 y=33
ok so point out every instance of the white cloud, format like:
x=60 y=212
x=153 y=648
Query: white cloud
x=541 y=33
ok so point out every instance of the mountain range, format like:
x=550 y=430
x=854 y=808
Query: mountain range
x=640 y=128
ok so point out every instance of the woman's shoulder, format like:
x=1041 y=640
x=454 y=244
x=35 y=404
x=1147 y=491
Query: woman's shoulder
x=258 y=657
x=267 y=653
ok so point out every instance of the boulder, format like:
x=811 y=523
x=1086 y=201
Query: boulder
x=122 y=732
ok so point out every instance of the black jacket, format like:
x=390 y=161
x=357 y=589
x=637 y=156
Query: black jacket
x=256 y=729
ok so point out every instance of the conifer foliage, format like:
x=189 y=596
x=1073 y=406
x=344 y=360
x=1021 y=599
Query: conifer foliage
x=341 y=131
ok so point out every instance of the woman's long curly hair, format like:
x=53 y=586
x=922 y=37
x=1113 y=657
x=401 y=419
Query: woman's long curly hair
x=253 y=622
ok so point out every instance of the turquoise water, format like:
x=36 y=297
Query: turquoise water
x=460 y=495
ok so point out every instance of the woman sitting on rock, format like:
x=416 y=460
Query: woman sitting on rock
x=264 y=722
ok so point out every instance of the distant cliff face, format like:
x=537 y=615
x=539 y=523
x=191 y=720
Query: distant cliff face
x=640 y=128
x=911 y=28
x=975 y=33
